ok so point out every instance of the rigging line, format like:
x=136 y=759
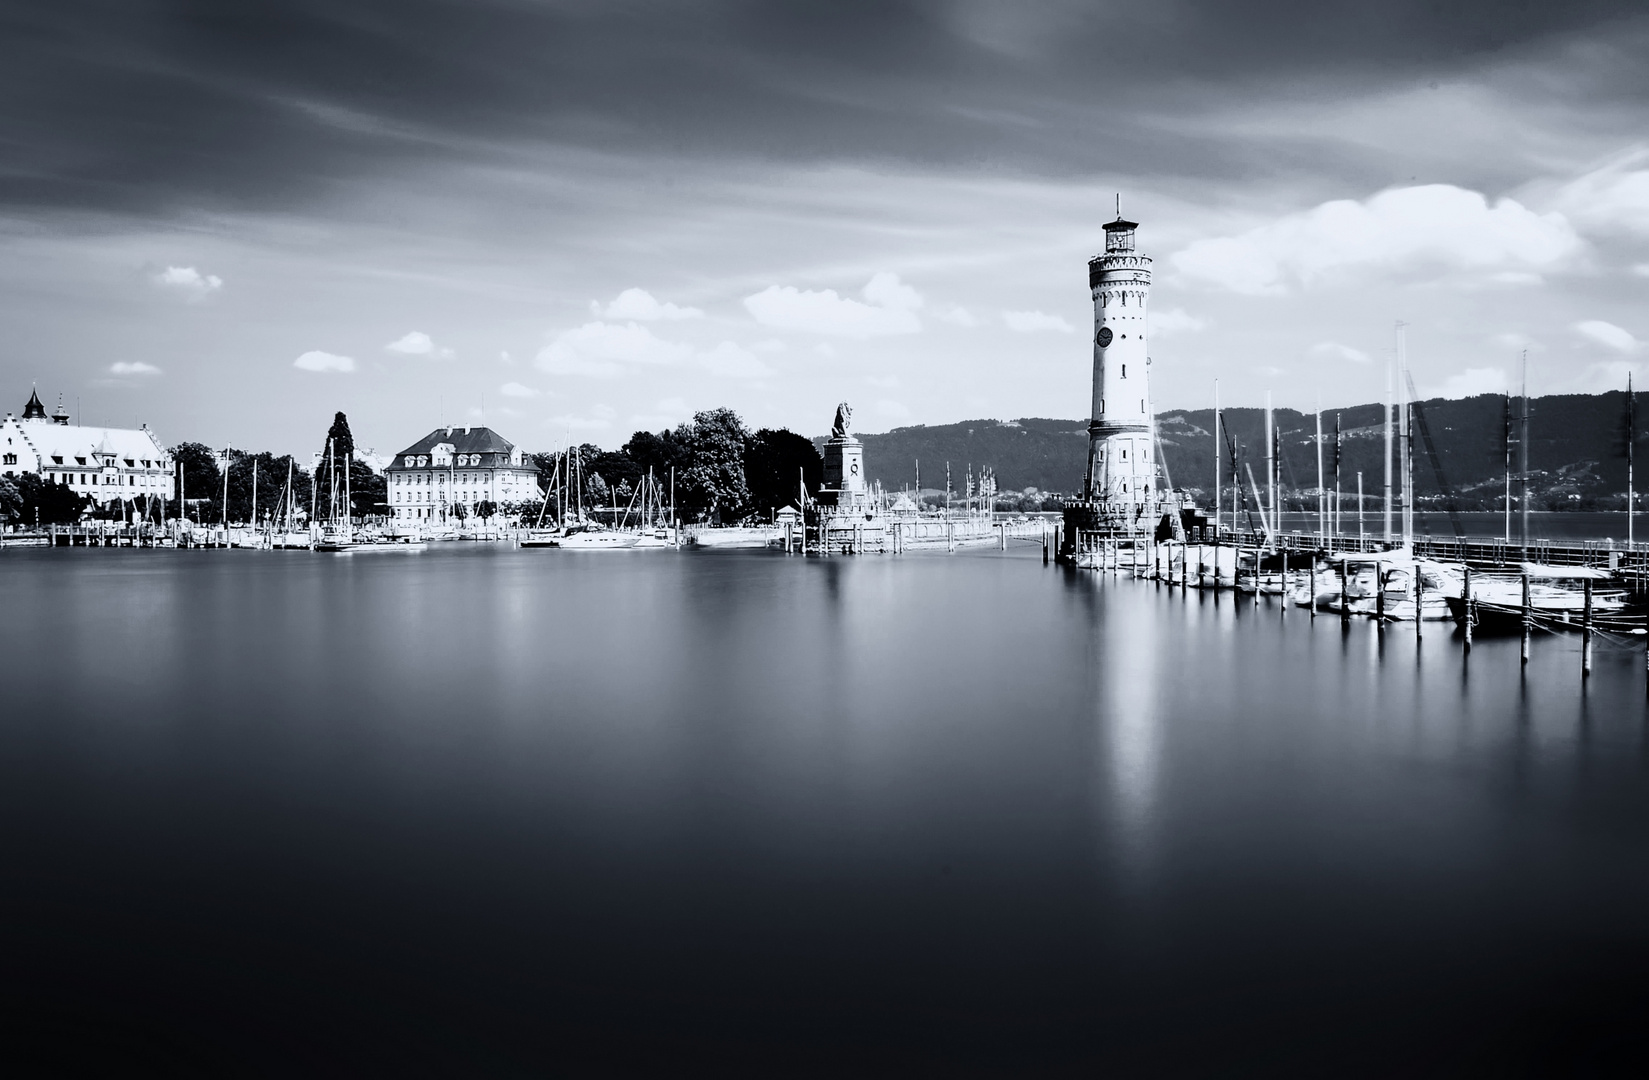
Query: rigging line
x=1419 y=414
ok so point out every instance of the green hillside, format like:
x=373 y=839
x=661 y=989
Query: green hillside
x=1576 y=449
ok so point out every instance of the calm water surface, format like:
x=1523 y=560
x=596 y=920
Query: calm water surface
x=523 y=812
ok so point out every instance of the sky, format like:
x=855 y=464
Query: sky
x=573 y=220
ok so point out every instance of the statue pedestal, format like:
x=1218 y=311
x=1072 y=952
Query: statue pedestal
x=844 y=473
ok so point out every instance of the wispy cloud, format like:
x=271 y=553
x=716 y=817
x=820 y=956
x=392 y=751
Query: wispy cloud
x=638 y=305
x=732 y=361
x=1173 y=321
x=602 y=350
x=1333 y=350
x=1474 y=381
x=1031 y=322
x=418 y=343
x=137 y=367
x=890 y=308
x=189 y=281
x=1608 y=335
x=517 y=390
x=325 y=362
x=1434 y=225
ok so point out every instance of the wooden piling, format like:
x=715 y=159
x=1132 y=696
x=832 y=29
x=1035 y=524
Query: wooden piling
x=1586 y=634
x=1528 y=619
x=1345 y=592
x=1311 y=583
x=1283 y=585
x=1380 y=596
x=1466 y=609
x=1419 y=604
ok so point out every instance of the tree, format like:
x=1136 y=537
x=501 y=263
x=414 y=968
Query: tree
x=46 y=503
x=776 y=463
x=202 y=483
x=11 y=501
x=712 y=487
x=271 y=484
x=485 y=509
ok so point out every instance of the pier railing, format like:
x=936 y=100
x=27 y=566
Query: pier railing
x=1473 y=550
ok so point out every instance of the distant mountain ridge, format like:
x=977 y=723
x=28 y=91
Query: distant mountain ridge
x=1577 y=445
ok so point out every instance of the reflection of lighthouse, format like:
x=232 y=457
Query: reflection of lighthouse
x=1120 y=483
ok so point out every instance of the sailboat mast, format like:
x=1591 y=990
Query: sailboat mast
x=1387 y=489
x=1217 y=459
x=1404 y=441
x=331 y=484
x=1270 y=512
x=1338 y=447
x=1631 y=438
x=1322 y=503
x=1506 y=443
x=254 y=493
x=1523 y=453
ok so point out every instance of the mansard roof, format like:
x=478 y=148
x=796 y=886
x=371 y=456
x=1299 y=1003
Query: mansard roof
x=56 y=440
x=475 y=440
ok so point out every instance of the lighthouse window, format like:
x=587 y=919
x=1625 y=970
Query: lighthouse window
x=1125 y=455
x=1124 y=371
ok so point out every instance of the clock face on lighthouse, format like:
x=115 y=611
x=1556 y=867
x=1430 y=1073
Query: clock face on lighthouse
x=1104 y=337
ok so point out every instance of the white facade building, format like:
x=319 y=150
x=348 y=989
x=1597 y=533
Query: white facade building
x=457 y=467
x=1121 y=478
x=108 y=464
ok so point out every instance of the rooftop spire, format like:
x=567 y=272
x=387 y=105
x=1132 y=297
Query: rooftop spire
x=34 y=410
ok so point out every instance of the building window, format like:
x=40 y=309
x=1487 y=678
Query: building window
x=11 y=459
x=1124 y=371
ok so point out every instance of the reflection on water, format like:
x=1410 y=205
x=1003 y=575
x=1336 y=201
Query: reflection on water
x=493 y=810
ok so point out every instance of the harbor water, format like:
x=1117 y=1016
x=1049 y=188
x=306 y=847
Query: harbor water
x=479 y=810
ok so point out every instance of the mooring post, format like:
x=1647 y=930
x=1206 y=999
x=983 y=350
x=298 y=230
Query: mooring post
x=1528 y=618
x=1419 y=603
x=1466 y=609
x=1282 y=593
x=1344 y=592
x=1311 y=583
x=1586 y=634
x=1380 y=595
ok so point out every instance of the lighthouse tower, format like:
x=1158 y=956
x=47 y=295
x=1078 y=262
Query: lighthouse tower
x=1120 y=486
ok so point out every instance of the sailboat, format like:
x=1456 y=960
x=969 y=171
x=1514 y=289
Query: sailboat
x=1556 y=599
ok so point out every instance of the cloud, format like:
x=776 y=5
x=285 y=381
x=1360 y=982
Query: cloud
x=886 y=382
x=1641 y=269
x=418 y=343
x=956 y=315
x=599 y=419
x=516 y=390
x=895 y=409
x=315 y=360
x=1030 y=322
x=891 y=309
x=1611 y=198
x=601 y=350
x=733 y=362
x=1513 y=339
x=769 y=345
x=1608 y=335
x=638 y=305
x=1434 y=225
x=1175 y=321
x=1609 y=375
x=1334 y=350
x=666 y=414
x=1474 y=381
x=189 y=281
x=123 y=367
